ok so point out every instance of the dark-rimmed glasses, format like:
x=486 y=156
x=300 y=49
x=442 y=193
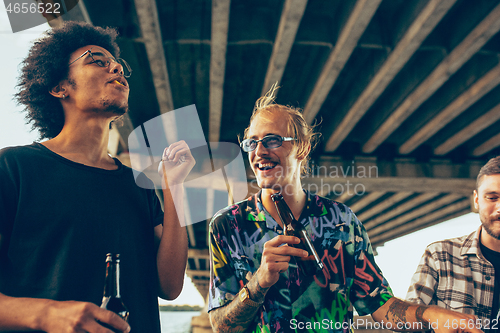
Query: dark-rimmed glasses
x=269 y=141
x=102 y=60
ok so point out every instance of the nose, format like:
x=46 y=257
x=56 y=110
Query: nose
x=116 y=67
x=260 y=150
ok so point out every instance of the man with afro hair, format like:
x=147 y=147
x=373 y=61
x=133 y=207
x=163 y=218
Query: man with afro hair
x=65 y=203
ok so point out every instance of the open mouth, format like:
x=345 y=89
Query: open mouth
x=119 y=81
x=266 y=166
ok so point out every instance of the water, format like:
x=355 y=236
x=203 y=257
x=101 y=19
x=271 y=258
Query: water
x=176 y=321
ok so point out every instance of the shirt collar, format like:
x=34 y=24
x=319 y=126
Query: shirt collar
x=471 y=244
x=257 y=213
x=254 y=211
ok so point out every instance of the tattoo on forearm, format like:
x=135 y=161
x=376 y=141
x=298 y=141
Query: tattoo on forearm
x=398 y=310
x=257 y=293
x=398 y=313
x=420 y=312
x=236 y=316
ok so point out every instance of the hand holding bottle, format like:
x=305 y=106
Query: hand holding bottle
x=276 y=256
x=310 y=264
x=73 y=317
x=39 y=314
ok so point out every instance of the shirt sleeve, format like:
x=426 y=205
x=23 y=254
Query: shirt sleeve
x=224 y=286
x=370 y=290
x=424 y=282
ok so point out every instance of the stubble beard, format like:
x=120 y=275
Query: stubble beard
x=488 y=225
x=280 y=181
x=271 y=182
x=114 y=108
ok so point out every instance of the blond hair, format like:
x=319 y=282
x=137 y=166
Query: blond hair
x=297 y=126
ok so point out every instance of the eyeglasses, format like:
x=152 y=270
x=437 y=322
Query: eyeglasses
x=101 y=60
x=269 y=141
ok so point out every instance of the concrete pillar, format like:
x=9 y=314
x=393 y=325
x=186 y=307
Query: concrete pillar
x=201 y=323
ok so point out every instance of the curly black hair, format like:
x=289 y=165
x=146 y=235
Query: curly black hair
x=47 y=64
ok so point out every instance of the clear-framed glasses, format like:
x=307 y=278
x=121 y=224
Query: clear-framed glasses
x=102 y=60
x=269 y=141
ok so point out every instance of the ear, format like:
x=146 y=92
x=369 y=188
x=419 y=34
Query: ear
x=476 y=205
x=58 y=91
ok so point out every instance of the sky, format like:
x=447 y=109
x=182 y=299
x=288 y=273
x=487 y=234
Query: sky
x=397 y=259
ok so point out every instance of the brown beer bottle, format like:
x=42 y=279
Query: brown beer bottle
x=112 y=300
x=291 y=227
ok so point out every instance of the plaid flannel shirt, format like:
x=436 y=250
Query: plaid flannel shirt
x=454 y=274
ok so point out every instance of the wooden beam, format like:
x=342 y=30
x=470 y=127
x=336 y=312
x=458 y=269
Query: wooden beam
x=469 y=131
x=401 y=209
x=210 y=202
x=452 y=63
x=218 y=48
x=83 y=10
x=480 y=88
x=199 y=253
x=381 y=241
x=197 y=263
x=416 y=213
x=485 y=147
x=384 y=205
x=344 y=197
x=392 y=184
x=198 y=272
x=189 y=225
x=151 y=35
x=445 y=214
x=366 y=200
x=199 y=281
x=190 y=230
x=292 y=13
x=348 y=39
x=421 y=27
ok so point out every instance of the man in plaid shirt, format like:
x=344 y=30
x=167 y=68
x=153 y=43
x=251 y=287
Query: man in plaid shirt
x=459 y=273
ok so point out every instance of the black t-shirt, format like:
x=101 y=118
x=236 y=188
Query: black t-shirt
x=494 y=258
x=59 y=219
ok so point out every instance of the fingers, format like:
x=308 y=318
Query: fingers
x=109 y=320
x=176 y=163
x=275 y=246
x=276 y=256
x=282 y=239
x=76 y=317
x=177 y=152
x=99 y=327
